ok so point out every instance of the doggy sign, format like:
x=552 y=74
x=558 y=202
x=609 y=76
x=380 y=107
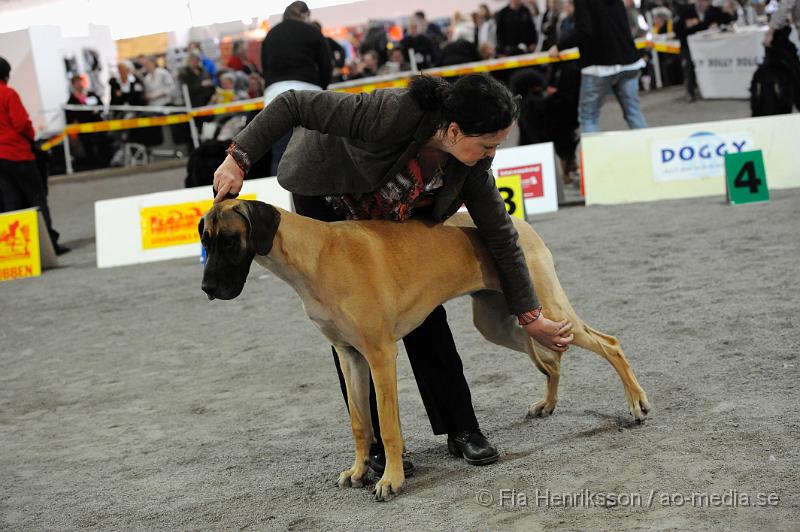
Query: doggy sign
x=699 y=156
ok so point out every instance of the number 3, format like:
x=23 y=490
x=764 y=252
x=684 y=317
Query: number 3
x=508 y=195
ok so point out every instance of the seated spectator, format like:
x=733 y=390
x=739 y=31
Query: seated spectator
x=255 y=86
x=127 y=88
x=226 y=92
x=91 y=150
x=159 y=85
x=458 y=52
x=208 y=64
x=367 y=67
x=516 y=31
x=238 y=60
x=662 y=21
x=196 y=79
x=486 y=51
x=424 y=51
x=396 y=63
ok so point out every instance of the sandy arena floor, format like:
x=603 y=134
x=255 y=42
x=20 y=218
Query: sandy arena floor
x=129 y=401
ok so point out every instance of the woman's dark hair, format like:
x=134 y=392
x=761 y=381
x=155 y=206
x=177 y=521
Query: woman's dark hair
x=479 y=104
x=5 y=69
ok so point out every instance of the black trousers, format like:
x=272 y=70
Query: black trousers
x=22 y=187
x=432 y=352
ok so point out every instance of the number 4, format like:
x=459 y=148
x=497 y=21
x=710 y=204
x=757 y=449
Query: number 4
x=747 y=178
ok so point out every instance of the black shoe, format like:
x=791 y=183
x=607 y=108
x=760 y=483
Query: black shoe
x=60 y=250
x=377 y=462
x=473 y=446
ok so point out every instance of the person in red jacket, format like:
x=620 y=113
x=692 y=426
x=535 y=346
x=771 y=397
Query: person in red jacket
x=21 y=185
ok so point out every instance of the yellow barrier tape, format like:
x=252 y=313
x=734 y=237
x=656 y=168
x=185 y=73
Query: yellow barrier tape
x=669 y=47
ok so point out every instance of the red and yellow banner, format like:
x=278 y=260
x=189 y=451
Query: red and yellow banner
x=174 y=225
x=19 y=245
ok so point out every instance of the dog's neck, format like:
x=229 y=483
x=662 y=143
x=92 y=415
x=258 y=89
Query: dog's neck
x=294 y=257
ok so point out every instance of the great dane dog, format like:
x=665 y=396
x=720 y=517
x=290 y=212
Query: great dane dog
x=359 y=284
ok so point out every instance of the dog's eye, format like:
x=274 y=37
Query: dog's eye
x=229 y=243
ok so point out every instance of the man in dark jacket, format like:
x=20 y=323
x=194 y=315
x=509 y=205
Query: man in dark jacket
x=516 y=31
x=693 y=19
x=425 y=51
x=294 y=55
x=609 y=61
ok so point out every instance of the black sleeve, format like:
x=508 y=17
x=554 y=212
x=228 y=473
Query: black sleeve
x=583 y=23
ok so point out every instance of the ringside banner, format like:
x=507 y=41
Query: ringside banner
x=25 y=247
x=685 y=161
x=163 y=225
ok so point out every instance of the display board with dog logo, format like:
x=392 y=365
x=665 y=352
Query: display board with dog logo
x=25 y=247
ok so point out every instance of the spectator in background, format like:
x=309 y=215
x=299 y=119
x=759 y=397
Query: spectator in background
x=780 y=20
x=396 y=63
x=425 y=52
x=487 y=29
x=376 y=40
x=662 y=21
x=197 y=80
x=692 y=19
x=208 y=64
x=462 y=29
x=368 y=67
x=159 y=85
x=127 y=88
x=226 y=92
x=21 y=184
x=609 y=61
x=550 y=24
x=338 y=55
x=238 y=60
x=93 y=149
x=255 y=85
x=294 y=55
x=633 y=19
x=430 y=29
x=516 y=31
x=458 y=52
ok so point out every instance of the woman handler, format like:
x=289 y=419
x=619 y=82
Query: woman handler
x=392 y=154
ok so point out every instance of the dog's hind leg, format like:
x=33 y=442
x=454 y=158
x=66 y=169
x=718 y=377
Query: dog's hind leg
x=355 y=369
x=608 y=347
x=491 y=318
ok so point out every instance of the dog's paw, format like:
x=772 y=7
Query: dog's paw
x=542 y=408
x=352 y=478
x=386 y=489
x=639 y=406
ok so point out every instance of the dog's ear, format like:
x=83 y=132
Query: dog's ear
x=262 y=220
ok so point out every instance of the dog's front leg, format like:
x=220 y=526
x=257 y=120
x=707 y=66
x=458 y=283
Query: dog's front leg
x=383 y=364
x=356 y=377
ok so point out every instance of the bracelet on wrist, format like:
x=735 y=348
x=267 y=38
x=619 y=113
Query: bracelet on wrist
x=529 y=317
x=240 y=156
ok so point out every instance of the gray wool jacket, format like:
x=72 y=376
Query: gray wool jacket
x=353 y=143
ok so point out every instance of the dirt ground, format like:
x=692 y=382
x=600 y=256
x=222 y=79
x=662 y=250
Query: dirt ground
x=129 y=401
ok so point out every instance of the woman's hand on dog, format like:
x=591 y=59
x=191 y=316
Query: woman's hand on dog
x=551 y=334
x=228 y=179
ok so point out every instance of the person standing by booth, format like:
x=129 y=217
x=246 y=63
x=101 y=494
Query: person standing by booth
x=21 y=185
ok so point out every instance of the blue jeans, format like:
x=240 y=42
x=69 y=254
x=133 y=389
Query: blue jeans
x=594 y=89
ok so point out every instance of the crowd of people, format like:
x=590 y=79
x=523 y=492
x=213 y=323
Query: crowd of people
x=297 y=50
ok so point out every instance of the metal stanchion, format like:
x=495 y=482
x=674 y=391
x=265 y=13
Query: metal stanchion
x=192 y=125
